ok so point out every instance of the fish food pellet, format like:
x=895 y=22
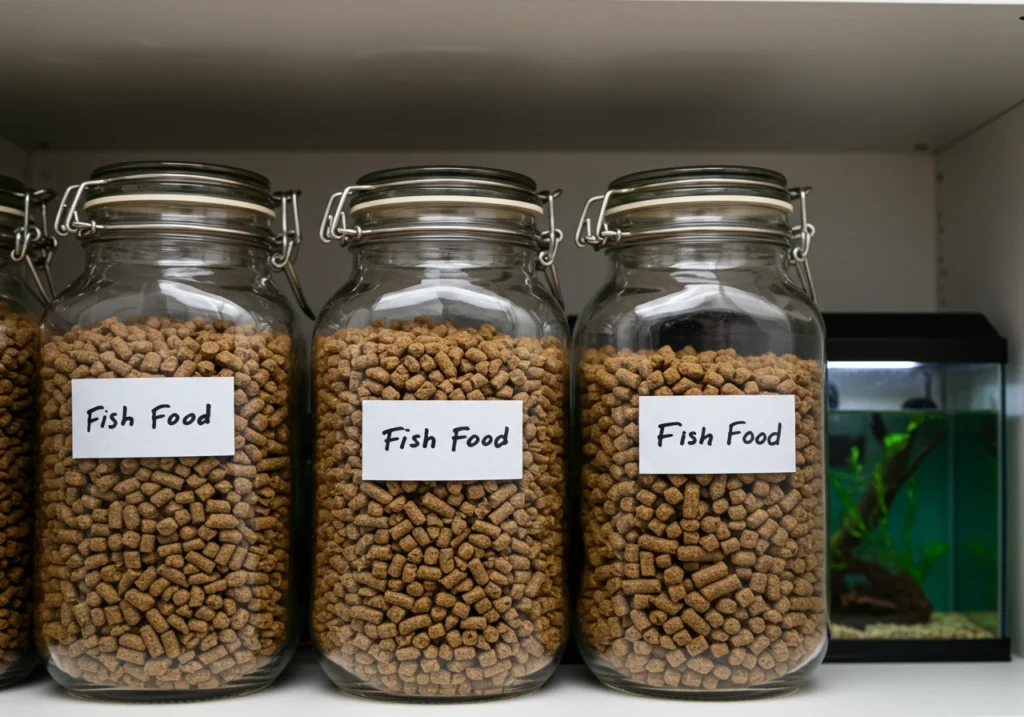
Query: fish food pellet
x=19 y=335
x=447 y=588
x=698 y=582
x=170 y=573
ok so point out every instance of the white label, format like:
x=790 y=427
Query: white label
x=717 y=434
x=442 y=440
x=152 y=417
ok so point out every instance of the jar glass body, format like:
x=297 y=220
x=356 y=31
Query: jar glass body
x=707 y=586
x=165 y=579
x=446 y=590
x=21 y=307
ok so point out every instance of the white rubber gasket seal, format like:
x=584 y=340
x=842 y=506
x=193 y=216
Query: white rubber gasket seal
x=12 y=211
x=180 y=199
x=534 y=209
x=702 y=199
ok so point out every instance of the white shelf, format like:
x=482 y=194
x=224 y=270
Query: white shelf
x=929 y=690
x=504 y=74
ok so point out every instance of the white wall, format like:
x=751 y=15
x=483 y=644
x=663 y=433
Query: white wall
x=981 y=268
x=875 y=213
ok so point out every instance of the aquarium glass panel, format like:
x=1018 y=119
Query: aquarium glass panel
x=915 y=517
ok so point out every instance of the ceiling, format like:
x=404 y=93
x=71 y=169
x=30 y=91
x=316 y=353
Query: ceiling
x=503 y=74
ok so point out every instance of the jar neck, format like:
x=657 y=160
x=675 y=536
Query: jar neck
x=448 y=257
x=696 y=256
x=158 y=254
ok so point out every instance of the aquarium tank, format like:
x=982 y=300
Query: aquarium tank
x=916 y=488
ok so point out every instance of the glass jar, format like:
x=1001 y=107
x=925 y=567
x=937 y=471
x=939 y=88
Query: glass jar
x=441 y=387
x=23 y=297
x=166 y=486
x=700 y=400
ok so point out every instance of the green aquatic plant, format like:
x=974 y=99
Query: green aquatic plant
x=848 y=483
x=867 y=532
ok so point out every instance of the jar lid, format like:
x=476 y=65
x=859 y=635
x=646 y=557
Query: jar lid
x=752 y=186
x=153 y=183
x=173 y=183
x=199 y=169
x=451 y=202
x=448 y=185
x=179 y=182
x=701 y=204
x=688 y=203
x=456 y=201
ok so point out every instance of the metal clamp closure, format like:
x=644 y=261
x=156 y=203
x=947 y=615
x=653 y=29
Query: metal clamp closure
x=291 y=232
x=30 y=237
x=290 y=239
x=66 y=220
x=334 y=226
x=802 y=235
x=552 y=236
x=585 y=234
x=337 y=226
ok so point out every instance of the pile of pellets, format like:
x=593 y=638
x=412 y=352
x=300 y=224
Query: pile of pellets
x=699 y=582
x=166 y=573
x=19 y=336
x=439 y=588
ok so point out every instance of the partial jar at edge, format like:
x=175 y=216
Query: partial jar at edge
x=23 y=296
x=706 y=585
x=452 y=588
x=167 y=578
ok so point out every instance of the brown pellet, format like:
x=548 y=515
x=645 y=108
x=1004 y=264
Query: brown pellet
x=182 y=538
x=721 y=540
x=19 y=334
x=467 y=575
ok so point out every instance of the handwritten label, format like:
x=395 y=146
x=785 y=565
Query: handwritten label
x=152 y=417
x=717 y=434
x=442 y=440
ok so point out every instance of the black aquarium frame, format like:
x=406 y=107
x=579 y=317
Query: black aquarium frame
x=929 y=339
x=896 y=650
x=924 y=338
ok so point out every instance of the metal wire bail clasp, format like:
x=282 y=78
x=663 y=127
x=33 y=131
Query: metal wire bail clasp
x=30 y=236
x=552 y=237
x=802 y=235
x=585 y=233
x=290 y=239
x=334 y=226
x=66 y=220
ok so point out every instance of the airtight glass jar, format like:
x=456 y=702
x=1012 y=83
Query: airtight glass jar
x=171 y=378
x=441 y=387
x=23 y=296
x=700 y=404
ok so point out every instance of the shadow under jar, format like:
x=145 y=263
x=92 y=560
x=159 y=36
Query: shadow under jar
x=441 y=390
x=23 y=297
x=699 y=394
x=171 y=383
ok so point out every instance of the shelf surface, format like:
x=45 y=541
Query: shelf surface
x=909 y=690
x=504 y=74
